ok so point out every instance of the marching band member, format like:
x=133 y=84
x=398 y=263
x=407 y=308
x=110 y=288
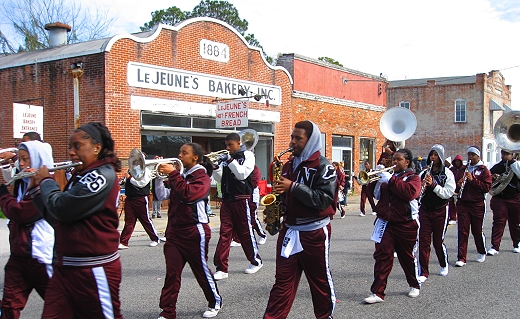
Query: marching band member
x=235 y=173
x=87 y=272
x=438 y=187
x=471 y=206
x=458 y=172
x=307 y=188
x=8 y=170
x=505 y=205
x=396 y=226
x=187 y=233
x=31 y=238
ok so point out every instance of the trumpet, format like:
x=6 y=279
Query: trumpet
x=57 y=166
x=137 y=165
x=365 y=178
x=213 y=156
x=248 y=138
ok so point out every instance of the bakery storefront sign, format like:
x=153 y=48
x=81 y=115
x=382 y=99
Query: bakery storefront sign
x=182 y=81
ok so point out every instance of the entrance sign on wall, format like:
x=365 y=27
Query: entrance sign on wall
x=27 y=118
x=182 y=81
x=214 y=51
x=232 y=114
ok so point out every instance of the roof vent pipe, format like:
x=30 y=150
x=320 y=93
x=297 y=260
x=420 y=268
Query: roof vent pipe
x=57 y=33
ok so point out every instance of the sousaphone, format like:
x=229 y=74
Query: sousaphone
x=398 y=124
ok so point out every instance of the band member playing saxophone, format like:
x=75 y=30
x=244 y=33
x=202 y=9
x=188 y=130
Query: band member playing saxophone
x=307 y=188
x=471 y=206
x=438 y=187
x=506 y=203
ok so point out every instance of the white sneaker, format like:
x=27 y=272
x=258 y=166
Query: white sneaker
x=121 y=247
x=422 y=279
x=395 y=254
x=153 y=243
x=492 y=252
x=219 y=275
x=253 y=269
x=163 y=239
x=374 y=213
x=452 y=222
x=413 y=292
x=361 y=214
x=373 y=298
x=262 y=240
x=444 y=271
x=516 y=250
x=161 y=317
x=460 y=263
x=235 y=244
x=210 y=313
x=481 y=258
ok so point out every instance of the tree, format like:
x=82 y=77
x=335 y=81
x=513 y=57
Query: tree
x=221 y=10
x=329 y=60
x=29 y=17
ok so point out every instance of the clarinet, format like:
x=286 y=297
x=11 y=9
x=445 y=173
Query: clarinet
x=464 y=180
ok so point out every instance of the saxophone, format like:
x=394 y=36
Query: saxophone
x=272 y=201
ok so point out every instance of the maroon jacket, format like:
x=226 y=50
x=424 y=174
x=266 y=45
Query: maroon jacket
x=22 y=216
x=311 y=196
x=475 y=190
x=188 y=198
x=398 y=200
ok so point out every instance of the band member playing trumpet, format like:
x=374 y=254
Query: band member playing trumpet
x=307 y=189
x=505 y=205
x=187 y=233
x=235 y=174
x=437 y=189
x=87 y=267
x=471 y=206
x=396 y=225
x=31 y=237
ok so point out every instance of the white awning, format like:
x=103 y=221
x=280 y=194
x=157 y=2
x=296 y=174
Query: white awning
x=494 y=106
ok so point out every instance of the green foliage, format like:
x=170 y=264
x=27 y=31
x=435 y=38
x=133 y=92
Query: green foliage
x=2 y=216
x=221 y=10
x=329 y=60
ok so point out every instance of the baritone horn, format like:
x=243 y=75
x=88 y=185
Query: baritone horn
x=248 y=138
x=137 y=165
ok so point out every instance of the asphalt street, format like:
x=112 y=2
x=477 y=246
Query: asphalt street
x=487 y=290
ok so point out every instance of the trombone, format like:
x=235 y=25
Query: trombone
x=365 y=178
x=137 y=165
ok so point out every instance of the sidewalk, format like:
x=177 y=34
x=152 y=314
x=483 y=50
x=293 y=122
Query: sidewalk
x=214 y=222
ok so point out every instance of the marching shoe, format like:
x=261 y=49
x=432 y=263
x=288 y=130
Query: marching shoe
x=361 y=214
x=516 y=250
x=452 y=222
x=444 y=271
x=219 y=275
x=374 y=213
x=422 y=279
x=413 y=292
x=121 y=247
x=253 y=269
x=460 y=263
x=492 y=252
x=153 y=243
x=262 y=240
x=235 y=244
x=481 y=258
x=210 y=313
x=373 y=298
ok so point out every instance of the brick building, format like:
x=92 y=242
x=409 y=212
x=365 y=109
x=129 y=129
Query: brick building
x=455 y=111
x=346 y=105
x=154 y=90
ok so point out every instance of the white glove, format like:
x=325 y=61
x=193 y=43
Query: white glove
x=223 y=158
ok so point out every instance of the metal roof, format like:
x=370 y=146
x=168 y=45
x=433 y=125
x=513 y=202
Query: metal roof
x=449 y=80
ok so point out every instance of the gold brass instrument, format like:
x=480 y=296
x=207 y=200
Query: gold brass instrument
x=365 y=178
x=507 y=137
x=272 y=201
x=248 y=138
x=57 y=166
x=137 y=165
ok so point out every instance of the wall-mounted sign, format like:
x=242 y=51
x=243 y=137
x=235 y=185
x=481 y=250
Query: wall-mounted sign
x=175 y=80
x=214 y=51
x=27 y=118
x=232 y=114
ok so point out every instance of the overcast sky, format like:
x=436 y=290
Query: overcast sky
x=402 y=39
